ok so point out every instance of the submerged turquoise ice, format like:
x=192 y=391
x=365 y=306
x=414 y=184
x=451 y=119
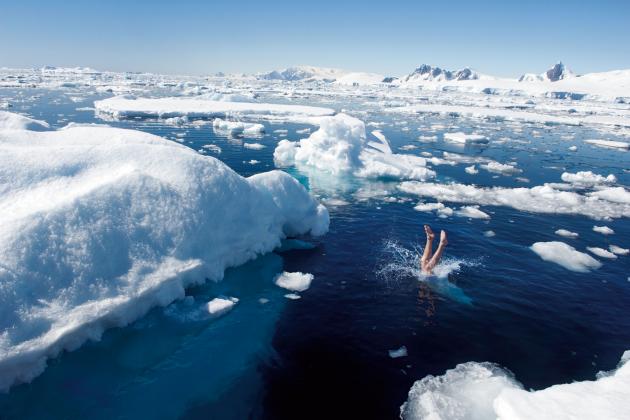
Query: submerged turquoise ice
x=273 y=357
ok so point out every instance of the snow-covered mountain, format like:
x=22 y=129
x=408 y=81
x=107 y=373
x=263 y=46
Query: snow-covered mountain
x=557 y=72
x=304 y=73
x=429 y=73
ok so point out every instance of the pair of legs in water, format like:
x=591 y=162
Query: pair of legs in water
x=429 y=260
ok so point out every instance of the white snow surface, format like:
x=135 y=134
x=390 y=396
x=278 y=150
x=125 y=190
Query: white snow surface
x=538 y=199
x=13 y=121
x=340 y=147
x=296 y=282
x=100 y=224
x=485 y=391
x=198 y=107
x=566 y=256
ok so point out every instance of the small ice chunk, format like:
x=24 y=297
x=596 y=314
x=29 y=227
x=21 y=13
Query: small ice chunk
x=472 y=212
x=566 y=256
x=219 y=306
x=460 y=137
x=263 y=301
x=401 y=352
x=254 y=146
x=489 y=234
x=566 y=233
x=619 y=250
x=500 y=168
x=604 y=230
x=471 y=170
x=601 y=252
x=293 y=296
x=573 y=149
x=297 y=282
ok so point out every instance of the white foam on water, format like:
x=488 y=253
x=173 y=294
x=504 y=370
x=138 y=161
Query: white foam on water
x=400 y=264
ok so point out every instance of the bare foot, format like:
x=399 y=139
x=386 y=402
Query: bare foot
x=429 y=232
x=443 y=238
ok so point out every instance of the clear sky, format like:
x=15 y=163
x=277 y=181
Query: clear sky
x=504 y=38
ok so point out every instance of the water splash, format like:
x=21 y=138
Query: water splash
x=401 y=263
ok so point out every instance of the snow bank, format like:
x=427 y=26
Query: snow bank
x=484 y=391
x=566 y=256
x=297 y=282
x=12 y=121
x=539 y=199
x=100 y=224
x=340 y=146
x=196 y=107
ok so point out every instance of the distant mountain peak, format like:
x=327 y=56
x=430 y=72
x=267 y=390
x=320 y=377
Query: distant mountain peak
x=557 y=72
x=430 y=73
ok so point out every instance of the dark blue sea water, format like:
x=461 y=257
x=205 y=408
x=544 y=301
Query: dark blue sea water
x=326 y=354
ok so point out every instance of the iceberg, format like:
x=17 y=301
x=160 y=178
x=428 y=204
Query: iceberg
x=101 y=224
x=340 y=147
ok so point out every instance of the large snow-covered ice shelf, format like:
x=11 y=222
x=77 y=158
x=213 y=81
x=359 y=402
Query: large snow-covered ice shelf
x=101 y=224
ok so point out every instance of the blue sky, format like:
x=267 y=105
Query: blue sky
x=196 y=37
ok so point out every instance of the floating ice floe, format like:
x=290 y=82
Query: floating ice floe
x=619 y=250
x=340 y=147
x=293 y=296
x=500 y=168
x=238 y=127
x=587 y=178
x=471 y=170
x=539 y=199
x=471 y=212
x=489 y=234
x=566 y=256
x=460 y=137
x=101 y=224
x=601 y=252
x=604 y=230
x=485 y=391
x=13 y=121
x=401 y=352
x=566 y=233
x=439 y=208
x=297 y=282
x=219 y=306
x=611 y=144
x=196 y=107
x=254 y=146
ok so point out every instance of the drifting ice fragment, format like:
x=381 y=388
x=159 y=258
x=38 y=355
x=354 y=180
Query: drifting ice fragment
x=219 y=306
x=401 y=352
x=297 y=281
x=566 y=256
